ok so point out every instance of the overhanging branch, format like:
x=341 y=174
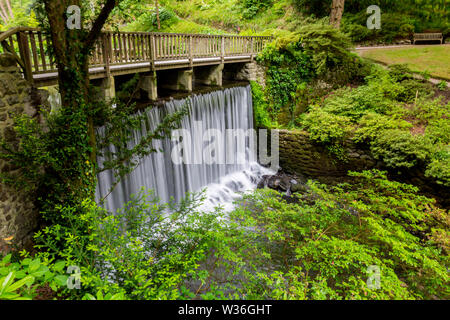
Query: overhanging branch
x=99 y=23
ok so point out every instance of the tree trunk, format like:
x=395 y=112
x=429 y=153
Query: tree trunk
x=8 y=4
x=4 y=13
x=337 y=9
x=157 y=14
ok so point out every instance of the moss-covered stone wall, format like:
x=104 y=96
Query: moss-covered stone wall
x=18 y=216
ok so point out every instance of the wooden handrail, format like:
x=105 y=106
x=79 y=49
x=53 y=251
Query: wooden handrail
x=113 y=48
x=10 y=32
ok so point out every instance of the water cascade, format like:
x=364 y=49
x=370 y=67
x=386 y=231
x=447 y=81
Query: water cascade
x=226 y=170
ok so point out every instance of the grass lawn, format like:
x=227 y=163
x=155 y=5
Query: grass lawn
x=432 y=58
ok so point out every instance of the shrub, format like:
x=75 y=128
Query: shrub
x=320 y=246
x=146 y=251
x=399 y=149
x=325 y=127
x=373 y=124
x=253 y=7
x=354 y=103
x=21 y=280
x=260 y=106
x=287 y=67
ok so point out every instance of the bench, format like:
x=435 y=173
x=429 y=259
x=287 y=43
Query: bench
x=428 y=37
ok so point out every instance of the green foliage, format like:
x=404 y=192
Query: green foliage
x=399 y=149
x=321 y=246
x=23 y=15
x=372 y=124
x=399 y=19
x=403 y=136
x=325 y=127
x=442 y=85
x=318 y=8
x=260 y=106
x=316 y=53
x=253 y=7
x=20 y=280
x=287 y=67
x=55 y=156
x=146 y=251
x=147 y=21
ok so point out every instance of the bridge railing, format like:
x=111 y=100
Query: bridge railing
x=31 y=48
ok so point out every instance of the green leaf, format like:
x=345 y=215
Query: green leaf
x=34 y=265
x=6 y=259
x=61 y=280
x=7 y=280
x=89 y=296
x=19 y=284
x=59 y=266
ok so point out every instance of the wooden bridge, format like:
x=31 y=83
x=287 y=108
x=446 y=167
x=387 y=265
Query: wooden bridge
x=121 y=53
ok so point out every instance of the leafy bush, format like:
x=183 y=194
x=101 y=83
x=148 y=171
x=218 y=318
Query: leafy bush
x=442 y=85
x=321 y=246
x=374 y=124
x=318 y=246
x=354 y=103
x=326 y=45
x=145 y=251
x=399 y=149
x=287 y=67
x=260 y=106
x=21 y=280
x=253 y=7
x=325 y=127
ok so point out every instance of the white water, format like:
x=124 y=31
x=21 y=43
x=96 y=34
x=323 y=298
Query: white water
x=224 y=183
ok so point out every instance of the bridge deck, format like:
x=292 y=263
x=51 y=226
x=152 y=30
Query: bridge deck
x=51 y=78
x=119 y=53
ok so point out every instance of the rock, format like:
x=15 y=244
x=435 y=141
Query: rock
x=299 y=188
x=7 y=60
x=285 y=183
x=263 y=183
x=274 y=182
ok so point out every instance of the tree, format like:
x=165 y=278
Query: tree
x=59 y=160
x=157 y=14
x=337 y=9
x=5 y=15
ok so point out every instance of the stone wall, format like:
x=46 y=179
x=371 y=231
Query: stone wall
x=18 y=217
x=299 y=155
x=251 y=71
x=302 y=157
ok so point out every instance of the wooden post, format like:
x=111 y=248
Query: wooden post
x=252 y=50
x=106 y=52
x=24 y=50
x=191 y=55
x=152 y=52
x=222 y=50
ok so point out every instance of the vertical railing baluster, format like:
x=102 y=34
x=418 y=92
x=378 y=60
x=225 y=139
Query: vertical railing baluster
x=42 y=51
x=24 y=50
x=34 y=51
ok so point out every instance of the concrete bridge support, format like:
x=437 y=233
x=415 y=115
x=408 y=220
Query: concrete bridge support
x=210 y=76
x=241 y=71
x=108 y=88
x=176 y=80
x=149 y=84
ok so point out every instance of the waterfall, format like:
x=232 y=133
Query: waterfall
x=227 y=171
